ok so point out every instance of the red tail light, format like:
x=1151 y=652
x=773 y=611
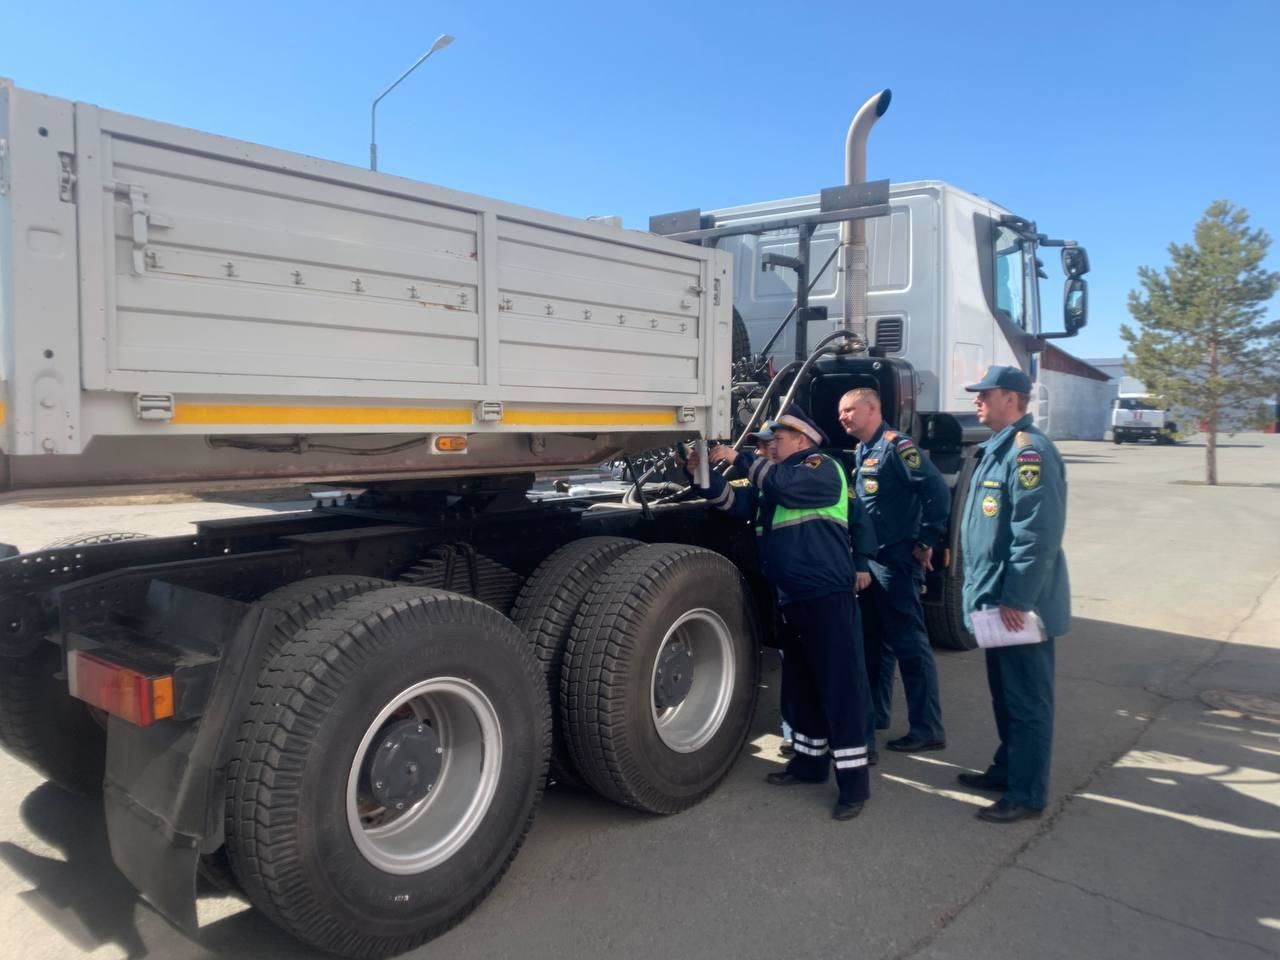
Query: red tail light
x=120 y=691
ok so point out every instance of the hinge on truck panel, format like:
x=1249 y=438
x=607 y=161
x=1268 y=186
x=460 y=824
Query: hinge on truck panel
x=141 y=218
x=66 y=178
x=687 y=414
x=4 y=166
x=489 y=411
x=715 y=295
x=153 y=406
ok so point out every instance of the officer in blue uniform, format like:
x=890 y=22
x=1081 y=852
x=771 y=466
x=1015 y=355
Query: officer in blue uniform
x=799 y=501
x=909 y=503
x=1011 y=537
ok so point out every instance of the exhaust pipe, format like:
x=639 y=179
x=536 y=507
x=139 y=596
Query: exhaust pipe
x=853 y=233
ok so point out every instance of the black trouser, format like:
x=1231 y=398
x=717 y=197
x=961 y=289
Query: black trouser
x=1021 y=681
x=896 y=578
x=824 y=692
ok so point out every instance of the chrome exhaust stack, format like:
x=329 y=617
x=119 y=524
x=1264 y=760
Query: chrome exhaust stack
x=853 y=233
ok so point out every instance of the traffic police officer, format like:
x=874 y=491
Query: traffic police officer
x=1011 y=538
x=799 y=500
x=909 y=503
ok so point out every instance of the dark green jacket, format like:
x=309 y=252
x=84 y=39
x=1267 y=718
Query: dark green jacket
x=1011 y=530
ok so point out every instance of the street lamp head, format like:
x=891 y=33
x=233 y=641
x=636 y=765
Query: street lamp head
x=442 y=41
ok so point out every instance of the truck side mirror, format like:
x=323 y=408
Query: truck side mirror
x=1075 y=304
x=1075 y=262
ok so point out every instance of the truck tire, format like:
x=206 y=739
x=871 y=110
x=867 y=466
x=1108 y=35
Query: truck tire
x=660 y=680
x=296 y=604
x=45 y=727
x=944 y=620
x=546 y=610
x=741 y=338
x=356 y=834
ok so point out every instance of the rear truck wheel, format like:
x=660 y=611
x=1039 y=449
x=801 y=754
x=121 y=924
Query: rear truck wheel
x=1115 y=438
x=660 y=680
x=296 y=605
x=45 y=727
x=741 y=338
x=944 y=619
x=546 y=610
x=396 y=774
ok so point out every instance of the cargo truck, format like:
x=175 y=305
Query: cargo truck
x=348 y=714
x=1141 y=416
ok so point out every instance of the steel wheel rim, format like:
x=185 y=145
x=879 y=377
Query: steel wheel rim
x=691 y=725
x=436 y=827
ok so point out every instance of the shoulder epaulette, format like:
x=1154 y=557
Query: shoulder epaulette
x=1023 y=439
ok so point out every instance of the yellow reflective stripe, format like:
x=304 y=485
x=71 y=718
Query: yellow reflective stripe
x=245 y=414
x=1 y=412
x=590 y=418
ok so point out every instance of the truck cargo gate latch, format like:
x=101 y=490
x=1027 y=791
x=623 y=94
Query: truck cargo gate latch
x=153 y=406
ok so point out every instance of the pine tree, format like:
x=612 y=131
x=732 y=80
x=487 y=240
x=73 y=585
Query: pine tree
x=1204 y=342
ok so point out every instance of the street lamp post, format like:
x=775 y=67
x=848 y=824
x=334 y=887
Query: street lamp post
x=442 y=41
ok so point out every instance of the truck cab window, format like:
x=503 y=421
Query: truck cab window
x=1012 y=262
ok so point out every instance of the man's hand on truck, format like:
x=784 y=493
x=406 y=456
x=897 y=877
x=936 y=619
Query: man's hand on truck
x=722 y=453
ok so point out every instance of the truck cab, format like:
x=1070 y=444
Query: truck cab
x=1141 y=416
x=953 y=287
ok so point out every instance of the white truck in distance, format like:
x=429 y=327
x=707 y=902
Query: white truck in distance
x=1140 y=416
x=348 y=715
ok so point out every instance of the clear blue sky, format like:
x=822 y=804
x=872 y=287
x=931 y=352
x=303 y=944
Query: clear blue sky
x=1112 y=123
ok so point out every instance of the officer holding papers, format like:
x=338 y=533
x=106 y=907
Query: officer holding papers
x=1016 y=595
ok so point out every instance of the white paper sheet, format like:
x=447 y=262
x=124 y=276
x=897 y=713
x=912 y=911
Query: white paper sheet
x=990 y=630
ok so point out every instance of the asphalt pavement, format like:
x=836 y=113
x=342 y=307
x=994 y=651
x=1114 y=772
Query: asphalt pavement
x=1161 y=839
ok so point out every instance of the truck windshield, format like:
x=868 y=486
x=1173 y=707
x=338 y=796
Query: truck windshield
x=1130 y=403
x=1011 y=275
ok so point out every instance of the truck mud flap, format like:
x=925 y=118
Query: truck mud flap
x=163 y=788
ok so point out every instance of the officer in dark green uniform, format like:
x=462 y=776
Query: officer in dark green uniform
x=1011 y=538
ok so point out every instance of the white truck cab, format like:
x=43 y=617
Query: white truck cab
x=950 y=290
x=1141 y=416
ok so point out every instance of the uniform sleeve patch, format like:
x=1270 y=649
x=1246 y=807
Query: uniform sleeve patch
x=1029 y=456
x=813 y=460
x=907 y=450
x=1028 y=475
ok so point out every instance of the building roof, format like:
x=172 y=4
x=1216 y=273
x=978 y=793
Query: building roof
x=1055 y=358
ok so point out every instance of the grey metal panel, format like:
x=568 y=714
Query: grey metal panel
x=254 y=272
x=39 y=306
x=302 y=296
x=243 y=260
x=851 y=196
x=579 y=315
